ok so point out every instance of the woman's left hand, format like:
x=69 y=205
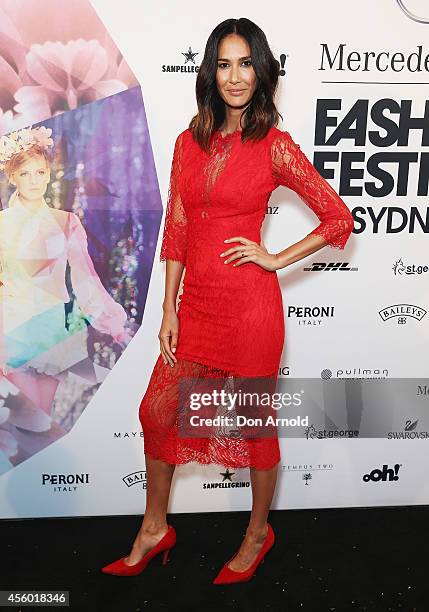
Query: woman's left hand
x=252 y=251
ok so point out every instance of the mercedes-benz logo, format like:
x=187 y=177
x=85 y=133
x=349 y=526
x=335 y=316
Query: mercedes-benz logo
x=410 y=14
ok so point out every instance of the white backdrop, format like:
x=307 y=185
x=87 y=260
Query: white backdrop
x=98 y=468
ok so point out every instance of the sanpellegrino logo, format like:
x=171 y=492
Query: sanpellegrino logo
x=227 y=482
x=188 y=64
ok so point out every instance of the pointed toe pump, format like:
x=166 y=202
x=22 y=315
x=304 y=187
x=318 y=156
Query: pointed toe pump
x=120 y=568
x=229 y=576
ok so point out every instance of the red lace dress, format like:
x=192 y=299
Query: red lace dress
x=231 y=320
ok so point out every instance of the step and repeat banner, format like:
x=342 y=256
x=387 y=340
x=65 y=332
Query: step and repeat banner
x=105 y=88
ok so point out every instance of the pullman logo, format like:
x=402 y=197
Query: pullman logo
x=402 y=312
x=384 y=475
x=355 y=373
x=322 y=266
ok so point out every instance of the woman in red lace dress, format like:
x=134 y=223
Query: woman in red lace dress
x=230 y=321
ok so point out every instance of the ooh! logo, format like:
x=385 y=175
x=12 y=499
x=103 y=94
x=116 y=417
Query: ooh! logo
x=282 y=64
x=384 y=474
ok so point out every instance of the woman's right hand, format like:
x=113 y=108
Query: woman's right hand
x=169 y=329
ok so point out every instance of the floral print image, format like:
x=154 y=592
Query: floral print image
x=75 y=269
x=54 y=56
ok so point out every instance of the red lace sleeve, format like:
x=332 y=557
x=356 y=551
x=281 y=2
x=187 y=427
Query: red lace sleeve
x=174 y=240
x=291 y=168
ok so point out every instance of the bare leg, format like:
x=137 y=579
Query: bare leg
x=154 y=526
x=263 y=487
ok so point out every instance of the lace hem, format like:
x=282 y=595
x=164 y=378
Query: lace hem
x=258 y=464
x=335 y=242
x=177 y=258
x=164 y=417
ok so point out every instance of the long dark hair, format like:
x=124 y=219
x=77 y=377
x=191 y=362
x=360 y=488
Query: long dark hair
x=261 y=113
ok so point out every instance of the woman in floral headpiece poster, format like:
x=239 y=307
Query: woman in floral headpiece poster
x=36 y=346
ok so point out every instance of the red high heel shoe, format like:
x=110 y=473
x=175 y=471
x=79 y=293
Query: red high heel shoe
x=228 y=576
x=120 y=568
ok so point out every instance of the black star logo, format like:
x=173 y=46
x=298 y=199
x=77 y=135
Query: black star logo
x=227 y=475
x=189 y=56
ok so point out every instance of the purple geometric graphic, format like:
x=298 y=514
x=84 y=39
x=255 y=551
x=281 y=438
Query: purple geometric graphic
x=56 y=351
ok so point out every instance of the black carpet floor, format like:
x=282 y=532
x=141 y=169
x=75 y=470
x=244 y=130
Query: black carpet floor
x=358 y=559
